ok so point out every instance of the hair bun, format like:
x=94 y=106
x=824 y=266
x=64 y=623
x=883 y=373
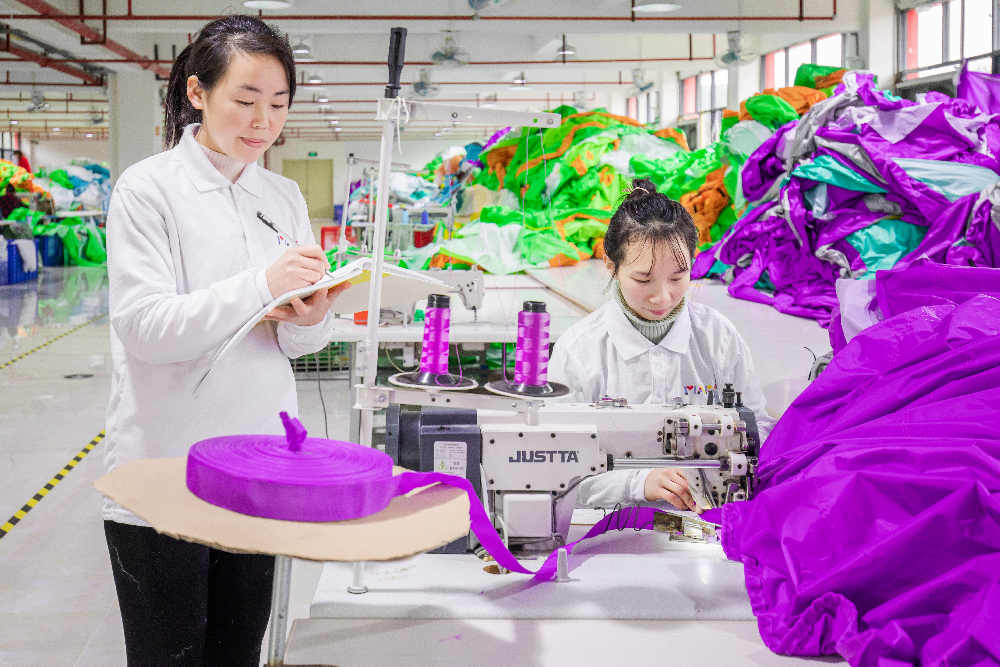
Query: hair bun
x=641 y=187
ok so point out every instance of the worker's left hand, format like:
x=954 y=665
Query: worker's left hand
x=309 y=311
x=670 y=484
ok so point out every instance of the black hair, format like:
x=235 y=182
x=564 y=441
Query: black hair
x=646 y=215
x=208 y=58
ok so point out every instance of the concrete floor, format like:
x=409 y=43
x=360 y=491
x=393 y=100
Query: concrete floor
x=58 y=598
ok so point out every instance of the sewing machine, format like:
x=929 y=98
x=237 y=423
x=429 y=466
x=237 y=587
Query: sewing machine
x=527 y=473
x=468 y=284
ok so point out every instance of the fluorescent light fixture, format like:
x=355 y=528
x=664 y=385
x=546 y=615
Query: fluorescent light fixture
x=520 y=82
x=13 y=122
x=566 y=49
x=322 y=99
x=315 y=78
x=655 y=6
x=268 y=4
x=55 y=129
x=334 y=122
x=301 y=51
x=337 y=129
x=90 y=135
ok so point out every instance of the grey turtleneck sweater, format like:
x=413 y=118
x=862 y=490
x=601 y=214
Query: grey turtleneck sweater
x=653 y=331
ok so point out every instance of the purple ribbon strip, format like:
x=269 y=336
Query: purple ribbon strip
x=296 y=478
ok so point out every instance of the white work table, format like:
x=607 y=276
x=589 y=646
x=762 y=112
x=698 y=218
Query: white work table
x=633 y=598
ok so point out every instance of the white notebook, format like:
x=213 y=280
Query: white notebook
x=400 y=287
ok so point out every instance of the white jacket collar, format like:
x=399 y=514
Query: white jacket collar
x=631 y=343
x=204 y=176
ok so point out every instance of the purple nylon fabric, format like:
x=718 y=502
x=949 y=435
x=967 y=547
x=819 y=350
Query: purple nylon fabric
x=874 y=532
x=983 y=90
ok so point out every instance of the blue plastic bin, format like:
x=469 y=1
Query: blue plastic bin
x=11 y=269
x=50 y=248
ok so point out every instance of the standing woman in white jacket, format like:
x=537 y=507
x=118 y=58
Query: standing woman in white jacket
x=649 y=344
x=200 y=238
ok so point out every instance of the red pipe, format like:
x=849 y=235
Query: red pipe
x=74 y=23
x=418 y=63
x=31 y=56
x=404 y=17
x=466 y=83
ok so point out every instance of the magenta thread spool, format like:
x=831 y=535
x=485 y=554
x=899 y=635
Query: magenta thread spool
x=531 y=357
x=437 y=321
x=433 y=373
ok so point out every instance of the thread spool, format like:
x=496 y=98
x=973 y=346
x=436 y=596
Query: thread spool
x=531 y=357
x=433 y=373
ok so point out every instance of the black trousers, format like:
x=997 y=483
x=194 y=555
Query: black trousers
x=187 y=604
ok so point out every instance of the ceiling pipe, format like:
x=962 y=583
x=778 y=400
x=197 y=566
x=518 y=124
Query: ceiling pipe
x=466 y=83
x=26 y=55
x=51 y=12
x=419 y=63
x=203 y=18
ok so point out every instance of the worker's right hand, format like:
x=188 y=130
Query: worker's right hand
x=669 y=484
x=297 y=267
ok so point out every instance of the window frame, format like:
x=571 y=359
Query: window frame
x=905 y=73
x=845 y=37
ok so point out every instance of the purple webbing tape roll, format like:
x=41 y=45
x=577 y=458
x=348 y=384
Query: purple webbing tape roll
x=434 y=355
x=531 y=356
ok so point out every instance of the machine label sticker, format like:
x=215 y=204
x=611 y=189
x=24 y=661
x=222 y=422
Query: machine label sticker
x=543 y=456
x=450 y=457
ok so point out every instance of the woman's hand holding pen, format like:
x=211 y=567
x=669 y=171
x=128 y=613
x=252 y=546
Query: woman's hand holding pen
x=297 y=267
x=300 y=267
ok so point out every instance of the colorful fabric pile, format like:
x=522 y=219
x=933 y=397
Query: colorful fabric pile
x=863 y=181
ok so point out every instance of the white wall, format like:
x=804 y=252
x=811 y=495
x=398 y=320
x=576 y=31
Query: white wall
x=53 y=154
x=878 y=41
x=415 y=153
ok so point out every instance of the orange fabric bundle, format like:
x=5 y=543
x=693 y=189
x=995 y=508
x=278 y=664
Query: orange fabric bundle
x=831 y=79
x=676 y=135
x=707 y=203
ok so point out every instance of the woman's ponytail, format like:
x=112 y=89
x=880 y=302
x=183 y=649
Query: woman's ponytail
x=178 y=112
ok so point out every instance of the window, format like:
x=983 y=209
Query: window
x=688 y=96
x=778 y=68
x=936 y=37
x=702 y=99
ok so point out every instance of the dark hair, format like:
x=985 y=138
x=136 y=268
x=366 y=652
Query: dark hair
x=17 y=151
x=645 y=215
x=208 y=57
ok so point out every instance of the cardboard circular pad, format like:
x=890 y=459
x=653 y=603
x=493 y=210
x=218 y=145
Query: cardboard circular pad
x=155 y=490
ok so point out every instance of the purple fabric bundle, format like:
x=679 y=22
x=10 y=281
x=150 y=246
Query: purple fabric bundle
x=795 y=234
x=875 y=529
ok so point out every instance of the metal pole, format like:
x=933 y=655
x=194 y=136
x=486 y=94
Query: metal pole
x=378 y=243
x=279 y=611
x=378 y=261
x=342 y=244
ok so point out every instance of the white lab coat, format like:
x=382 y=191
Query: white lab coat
x=604 y=355
x=187 y=256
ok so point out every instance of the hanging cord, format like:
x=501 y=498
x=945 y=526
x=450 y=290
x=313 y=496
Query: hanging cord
x=322 y=400
x=454 y=347
x=399 y=110
x=393 y=363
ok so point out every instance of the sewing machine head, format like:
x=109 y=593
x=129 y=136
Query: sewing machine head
x=528 y=474
x=467 y=283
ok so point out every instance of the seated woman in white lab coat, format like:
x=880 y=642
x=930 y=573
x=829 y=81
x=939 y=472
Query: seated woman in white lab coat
x=649 y=343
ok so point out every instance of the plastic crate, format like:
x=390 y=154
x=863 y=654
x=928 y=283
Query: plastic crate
x=50 y=248
x=11 y=268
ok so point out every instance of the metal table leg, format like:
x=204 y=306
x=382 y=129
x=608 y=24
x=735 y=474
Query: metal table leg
x=279 y=611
